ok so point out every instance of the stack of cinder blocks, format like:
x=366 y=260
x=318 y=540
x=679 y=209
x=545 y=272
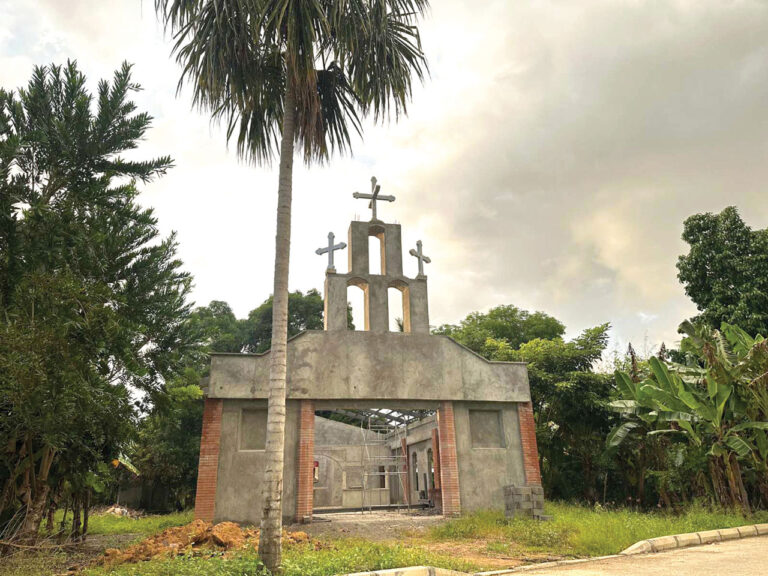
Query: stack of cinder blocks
x=524 y=501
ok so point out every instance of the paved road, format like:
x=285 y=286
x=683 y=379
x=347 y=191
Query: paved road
x=748 y=557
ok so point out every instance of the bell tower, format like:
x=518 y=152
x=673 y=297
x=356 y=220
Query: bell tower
x=375 y=287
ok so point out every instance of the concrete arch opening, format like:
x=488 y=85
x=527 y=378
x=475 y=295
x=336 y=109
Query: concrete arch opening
x=358 y=299
x=399 y=307
x=377 y=250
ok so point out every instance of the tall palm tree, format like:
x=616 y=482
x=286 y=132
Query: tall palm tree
x=284 y=73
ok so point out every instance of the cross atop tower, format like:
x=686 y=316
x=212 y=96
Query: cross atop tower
x=374 y=196
x=420 y=257
x=330 y=250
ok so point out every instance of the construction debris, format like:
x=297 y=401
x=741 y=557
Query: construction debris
x=197 y=538
x=117 y=510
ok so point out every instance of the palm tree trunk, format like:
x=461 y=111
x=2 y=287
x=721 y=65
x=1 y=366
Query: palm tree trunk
x=270 y=539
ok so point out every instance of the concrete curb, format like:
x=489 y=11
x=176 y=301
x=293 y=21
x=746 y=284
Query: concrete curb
x=411 y=571
x=529 y=567
x=664 y=543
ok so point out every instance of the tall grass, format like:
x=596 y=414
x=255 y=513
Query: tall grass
x=343 y=557
x=109 y=524
x=584 y=531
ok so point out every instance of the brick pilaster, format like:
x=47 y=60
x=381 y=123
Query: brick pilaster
x=306 y=468
x=528 y=441
x=449 y=466
x=208 y=466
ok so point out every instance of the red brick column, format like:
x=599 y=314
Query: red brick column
x=306 y=468
x=528 y=441
x=208 y=467
x=449 y=466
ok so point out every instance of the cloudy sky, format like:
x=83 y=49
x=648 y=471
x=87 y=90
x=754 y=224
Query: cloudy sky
x=549 y=161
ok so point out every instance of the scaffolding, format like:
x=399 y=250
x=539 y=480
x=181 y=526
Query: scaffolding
x=377 y=464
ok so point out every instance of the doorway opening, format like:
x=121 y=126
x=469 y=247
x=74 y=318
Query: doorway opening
x=365 y=458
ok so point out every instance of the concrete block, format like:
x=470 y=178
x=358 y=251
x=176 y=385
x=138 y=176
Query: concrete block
x=762 y=529
x=685 y=540
x=729 y=534
x=663 y=543
x=747 y=531
x=709 y=536
x=642 y=547
x=537 y=490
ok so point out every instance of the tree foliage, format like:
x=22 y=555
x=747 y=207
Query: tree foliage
x=713 y=403
x=93 y=300
x=725 y=272
x=340 y=61
x=507 y=323
x=305 y=312
x=569 y=402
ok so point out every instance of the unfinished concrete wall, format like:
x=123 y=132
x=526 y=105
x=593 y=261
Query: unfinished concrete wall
x=340 y=453
x=241 y=462
x=365 y=365
x=333 y=433
x=340 y=477
x=494 y=460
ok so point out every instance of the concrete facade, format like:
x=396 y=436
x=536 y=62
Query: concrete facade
x=477 y=441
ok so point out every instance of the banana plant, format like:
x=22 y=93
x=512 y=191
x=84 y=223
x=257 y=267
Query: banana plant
x=699 y=400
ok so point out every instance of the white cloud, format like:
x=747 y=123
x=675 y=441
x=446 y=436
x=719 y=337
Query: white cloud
x=548 y=162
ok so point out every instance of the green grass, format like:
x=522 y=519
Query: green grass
x=107 y=524
x=574 y=531
x=583 y=531
x=349 y=555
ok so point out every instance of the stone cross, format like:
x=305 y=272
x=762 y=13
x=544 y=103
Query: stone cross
x=330 y=250
x=420 y=256
x=374 y=196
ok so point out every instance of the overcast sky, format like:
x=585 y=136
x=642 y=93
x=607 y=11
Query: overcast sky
x=549 y=162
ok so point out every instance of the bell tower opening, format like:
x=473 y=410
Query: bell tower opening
x=377 y=251
x=374 y=255
x=357 y=297
x=399 y=307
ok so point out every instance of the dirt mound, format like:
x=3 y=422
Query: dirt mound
x=197 y=538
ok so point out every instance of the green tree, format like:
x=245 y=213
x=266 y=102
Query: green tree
x=305 y=312
x=505 y=323
x=286 y=72
x=569 y=402
x=714 y=401
x=725 y=272
x=93 y=299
